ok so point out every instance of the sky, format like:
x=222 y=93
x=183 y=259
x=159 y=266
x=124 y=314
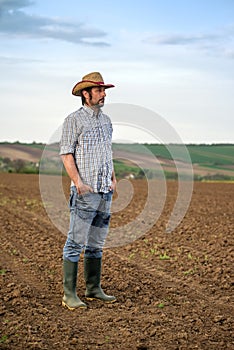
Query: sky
x=173 y=57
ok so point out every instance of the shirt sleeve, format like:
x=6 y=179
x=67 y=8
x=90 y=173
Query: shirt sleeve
x=69 y=136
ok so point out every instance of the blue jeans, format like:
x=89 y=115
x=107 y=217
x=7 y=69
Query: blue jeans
x=89 y=223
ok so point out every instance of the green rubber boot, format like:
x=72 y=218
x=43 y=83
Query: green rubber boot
x=92 y=275
x=70 y=298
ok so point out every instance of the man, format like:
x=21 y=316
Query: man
x=85 y=148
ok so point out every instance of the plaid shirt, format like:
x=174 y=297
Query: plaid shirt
x=88 y=137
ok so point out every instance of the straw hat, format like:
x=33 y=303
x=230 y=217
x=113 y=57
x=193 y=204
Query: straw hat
x=90 y=80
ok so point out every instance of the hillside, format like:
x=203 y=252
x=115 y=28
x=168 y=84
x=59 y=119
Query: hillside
x=207 y=160
x=27 y=152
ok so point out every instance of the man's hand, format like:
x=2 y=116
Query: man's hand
x=70 y=166
x=82 y=188
x=113 y=184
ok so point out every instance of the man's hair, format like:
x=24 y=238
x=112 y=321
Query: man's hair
x=82 y=96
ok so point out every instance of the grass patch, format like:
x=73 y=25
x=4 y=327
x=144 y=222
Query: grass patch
x=3 y=339
x=161 y=305
x=164 y=256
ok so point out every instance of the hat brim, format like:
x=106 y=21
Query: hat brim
x=83 y=85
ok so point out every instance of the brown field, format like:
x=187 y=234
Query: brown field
x=18 y=151
x=183 y=302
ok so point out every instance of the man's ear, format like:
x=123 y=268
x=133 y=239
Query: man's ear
x=85 y=94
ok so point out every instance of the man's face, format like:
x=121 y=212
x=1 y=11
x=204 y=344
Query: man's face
x=96 y=97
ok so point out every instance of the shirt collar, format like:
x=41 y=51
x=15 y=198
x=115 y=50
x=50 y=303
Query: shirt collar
x=90 y=111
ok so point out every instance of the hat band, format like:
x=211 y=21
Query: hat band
x=93 y=82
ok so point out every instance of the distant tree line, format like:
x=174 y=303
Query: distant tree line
x=54 y=167
x=18 y=166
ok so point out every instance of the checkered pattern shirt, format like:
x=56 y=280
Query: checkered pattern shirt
x=88 y=137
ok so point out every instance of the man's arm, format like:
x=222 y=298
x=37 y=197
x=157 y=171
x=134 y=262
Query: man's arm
x=70 y=166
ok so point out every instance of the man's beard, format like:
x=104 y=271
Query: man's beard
x=100 y=103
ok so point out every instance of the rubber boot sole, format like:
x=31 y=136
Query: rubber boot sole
x=73 y=308
x=105 y=301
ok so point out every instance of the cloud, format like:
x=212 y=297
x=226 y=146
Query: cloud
x=220 y=42
x=14 y=22
x=179 y=39
x=230 y=53
x=14 y=4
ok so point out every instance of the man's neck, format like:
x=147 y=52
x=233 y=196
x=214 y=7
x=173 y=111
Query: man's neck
x=96 y=109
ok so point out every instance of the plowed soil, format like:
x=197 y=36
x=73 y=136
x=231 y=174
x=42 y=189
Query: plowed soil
x=174 y=290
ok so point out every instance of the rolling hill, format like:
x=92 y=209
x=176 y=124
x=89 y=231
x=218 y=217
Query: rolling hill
x=207 y=160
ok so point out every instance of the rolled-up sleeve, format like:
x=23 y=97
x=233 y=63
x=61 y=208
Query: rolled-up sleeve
x=69 y=136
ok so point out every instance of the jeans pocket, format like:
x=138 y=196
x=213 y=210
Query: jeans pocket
x=74 y=197
x=71 y=202
x=83 y=207
x=84 y=214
